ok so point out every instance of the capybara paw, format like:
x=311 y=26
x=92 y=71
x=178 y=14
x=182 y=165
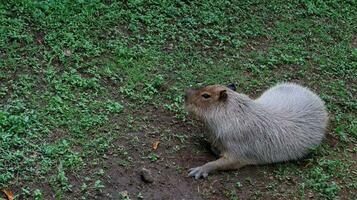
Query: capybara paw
x=198 y=172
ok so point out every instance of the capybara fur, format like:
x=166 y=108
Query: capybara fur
x=283 y=124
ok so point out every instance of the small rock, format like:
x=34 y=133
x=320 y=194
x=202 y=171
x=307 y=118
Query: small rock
x=146 y=175
x=67 y=52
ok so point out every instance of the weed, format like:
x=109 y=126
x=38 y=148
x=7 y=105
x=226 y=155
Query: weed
x=232 y=195
x=37 y=194
x=98 y=185
x=153 y=157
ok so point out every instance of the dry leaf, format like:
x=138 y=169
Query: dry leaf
x=155 y=145
x=9 y=194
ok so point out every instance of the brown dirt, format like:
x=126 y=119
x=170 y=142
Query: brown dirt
x=262 y=43
x=170 y=170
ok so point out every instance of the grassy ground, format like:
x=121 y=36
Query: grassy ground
x=86 y=87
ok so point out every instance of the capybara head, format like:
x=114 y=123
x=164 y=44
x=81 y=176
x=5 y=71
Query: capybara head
x=202 y=100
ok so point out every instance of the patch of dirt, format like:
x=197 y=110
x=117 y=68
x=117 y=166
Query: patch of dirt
x=181 y=148
x=39 y=37
x=258 y=44
x=170 y=170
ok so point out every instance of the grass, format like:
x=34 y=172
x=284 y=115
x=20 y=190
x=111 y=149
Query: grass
x=76 y=77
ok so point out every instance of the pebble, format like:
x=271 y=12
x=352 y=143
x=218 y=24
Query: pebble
x=146 y=175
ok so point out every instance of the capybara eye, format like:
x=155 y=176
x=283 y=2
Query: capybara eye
x=206 y=96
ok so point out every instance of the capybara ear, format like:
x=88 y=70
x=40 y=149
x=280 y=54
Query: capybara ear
x=232 y=86
x=223 y=95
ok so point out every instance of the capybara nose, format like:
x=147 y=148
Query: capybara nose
x=188 y=93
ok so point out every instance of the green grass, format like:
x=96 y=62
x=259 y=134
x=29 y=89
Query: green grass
x=74 y=73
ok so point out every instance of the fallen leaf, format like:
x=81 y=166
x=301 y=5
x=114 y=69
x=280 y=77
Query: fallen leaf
x=155 y=145
x=9 y=194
